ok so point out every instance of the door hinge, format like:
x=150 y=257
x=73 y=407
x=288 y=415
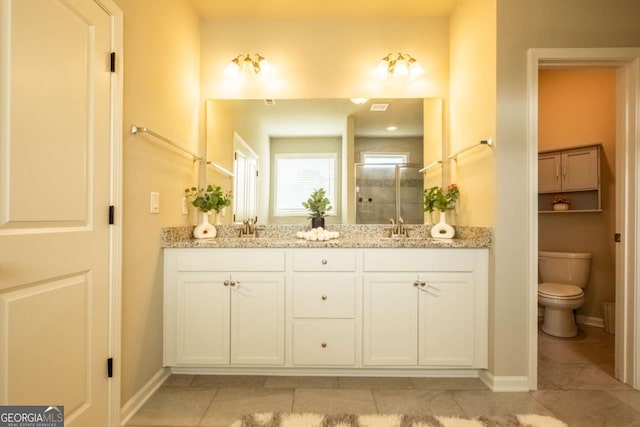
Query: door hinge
x=110 y=367
x=256 y=173
x=617 y=238
x=112 y=64
x=111 y=214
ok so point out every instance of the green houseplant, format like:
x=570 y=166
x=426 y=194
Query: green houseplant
x=435 y=198
x=212 y=198
x=317 y=204
x=208 y=199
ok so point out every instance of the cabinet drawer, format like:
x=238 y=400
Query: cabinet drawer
x=324 y=260
x=324 y=296
x=419 y=260
x=230 y=259
x=324 y=342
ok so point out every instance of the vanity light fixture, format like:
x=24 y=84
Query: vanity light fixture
x=242 y=64
x=400 y=65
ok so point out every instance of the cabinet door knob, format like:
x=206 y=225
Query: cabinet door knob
x=416 y=283
x=422 y=284
x=226 y=283
x=324 y=345
x=324 y=262
x=324 y=297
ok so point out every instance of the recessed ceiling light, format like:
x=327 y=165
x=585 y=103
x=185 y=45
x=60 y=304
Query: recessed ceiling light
x=392 y=128
x=359 y=101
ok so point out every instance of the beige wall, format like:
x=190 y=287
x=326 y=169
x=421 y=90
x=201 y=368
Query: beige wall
x=577 y=107
x=322 y=58
x=161 y=92
x=523 y=25
x=472 y=113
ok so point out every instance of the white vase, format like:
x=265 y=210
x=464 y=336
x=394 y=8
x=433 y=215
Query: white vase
x=218 y=221
x=204 y=230
x=442 y=230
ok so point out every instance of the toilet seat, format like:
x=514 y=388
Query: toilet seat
x=559 y=291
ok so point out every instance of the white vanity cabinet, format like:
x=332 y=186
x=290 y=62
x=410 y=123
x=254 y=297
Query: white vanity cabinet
x=338 y=311
x=224 y=306
x=324 y=307
x=429 y=311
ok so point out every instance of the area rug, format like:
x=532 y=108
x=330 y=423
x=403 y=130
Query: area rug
x=394 y=420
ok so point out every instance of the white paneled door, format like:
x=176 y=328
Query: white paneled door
x=55 y=132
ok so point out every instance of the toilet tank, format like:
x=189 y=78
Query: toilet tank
x=571 y=268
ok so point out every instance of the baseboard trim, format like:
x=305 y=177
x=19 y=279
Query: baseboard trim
x=503 y=384
x=133 y=405
x=590 y=321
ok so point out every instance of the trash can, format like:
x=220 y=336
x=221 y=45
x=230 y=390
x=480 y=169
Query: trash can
x=609 y=317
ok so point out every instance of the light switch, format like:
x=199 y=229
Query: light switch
x=185 y=206
x=155 y=202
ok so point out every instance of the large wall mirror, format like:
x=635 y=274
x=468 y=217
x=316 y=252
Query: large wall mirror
x=368 y=156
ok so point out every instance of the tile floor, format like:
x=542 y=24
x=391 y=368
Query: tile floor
x=575 y=385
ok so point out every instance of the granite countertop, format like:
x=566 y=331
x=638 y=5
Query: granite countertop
x=351 y=236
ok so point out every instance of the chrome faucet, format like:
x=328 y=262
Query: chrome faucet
x=398 y=229
x=249 y=228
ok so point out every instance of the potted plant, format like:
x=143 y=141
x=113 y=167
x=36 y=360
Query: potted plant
x=560 y=203
x=212 y=198
x=435 y=198
x=317 y=204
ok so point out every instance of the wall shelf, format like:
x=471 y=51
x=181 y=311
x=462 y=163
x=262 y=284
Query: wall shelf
x=573 y=174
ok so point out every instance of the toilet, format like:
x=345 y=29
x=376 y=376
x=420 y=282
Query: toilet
x=563 y=276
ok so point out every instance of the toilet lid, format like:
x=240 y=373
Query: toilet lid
x=559 y=290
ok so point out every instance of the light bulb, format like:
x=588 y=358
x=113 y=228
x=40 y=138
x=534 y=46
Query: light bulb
x=233 y=69
x=264 y=67
x=401 y=69
x=415 y=69
x=384 y=67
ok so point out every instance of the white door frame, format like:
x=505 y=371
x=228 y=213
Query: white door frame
x=627 y=62
x=115 y=199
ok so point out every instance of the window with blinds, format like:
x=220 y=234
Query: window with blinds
x=298 y=175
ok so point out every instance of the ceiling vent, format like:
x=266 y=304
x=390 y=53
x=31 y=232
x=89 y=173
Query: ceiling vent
x=270 y=102
x=379 y=107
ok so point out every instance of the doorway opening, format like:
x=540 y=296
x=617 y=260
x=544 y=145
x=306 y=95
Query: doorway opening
x=626 y=63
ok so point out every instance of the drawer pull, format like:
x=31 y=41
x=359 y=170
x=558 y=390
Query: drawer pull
x=324 y=262
x=324 y=297
x=324 y=345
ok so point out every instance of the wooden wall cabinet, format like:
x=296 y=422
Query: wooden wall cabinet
x=573 y=174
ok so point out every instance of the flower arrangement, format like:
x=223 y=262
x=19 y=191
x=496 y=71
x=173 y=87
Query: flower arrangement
x=211 y=198
x=560 y=200
x=437 y=198
x=317 y=203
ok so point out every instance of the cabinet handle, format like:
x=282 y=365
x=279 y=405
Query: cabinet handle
x=324 y=262
x=422 y=284
x=416 y=283
x=234 y=282
x=324 y=297
x=227 y=283
x=324 y=345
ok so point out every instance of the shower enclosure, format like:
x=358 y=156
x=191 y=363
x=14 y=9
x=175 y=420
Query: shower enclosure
x=385 y=191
